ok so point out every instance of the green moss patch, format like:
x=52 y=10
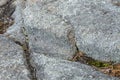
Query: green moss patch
x=99 y=64
x=81 y=57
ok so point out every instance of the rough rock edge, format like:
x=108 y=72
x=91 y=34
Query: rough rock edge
x=26 y=54
x=26 y=51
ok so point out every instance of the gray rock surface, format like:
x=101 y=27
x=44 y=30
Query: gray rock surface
x=54 y=27
x=11 y=61
x=96 y=24
x=48 y=34
x=56 y=69
x=98 y=31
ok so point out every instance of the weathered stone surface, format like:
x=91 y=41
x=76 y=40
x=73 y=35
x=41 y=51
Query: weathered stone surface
x=96 y=24
x=55 y=69
x=48 y=34
x=11 y=61
x=98 y=31
x=52 y=27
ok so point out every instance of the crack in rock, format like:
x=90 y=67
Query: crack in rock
x=27 y=55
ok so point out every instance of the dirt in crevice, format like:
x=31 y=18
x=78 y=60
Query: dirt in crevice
x=109 y=68
x=5 y=23
x=106 y=67
x=6 y=20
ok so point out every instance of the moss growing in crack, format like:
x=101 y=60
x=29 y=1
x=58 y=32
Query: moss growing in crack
x=99 y=64
x=82 y=57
